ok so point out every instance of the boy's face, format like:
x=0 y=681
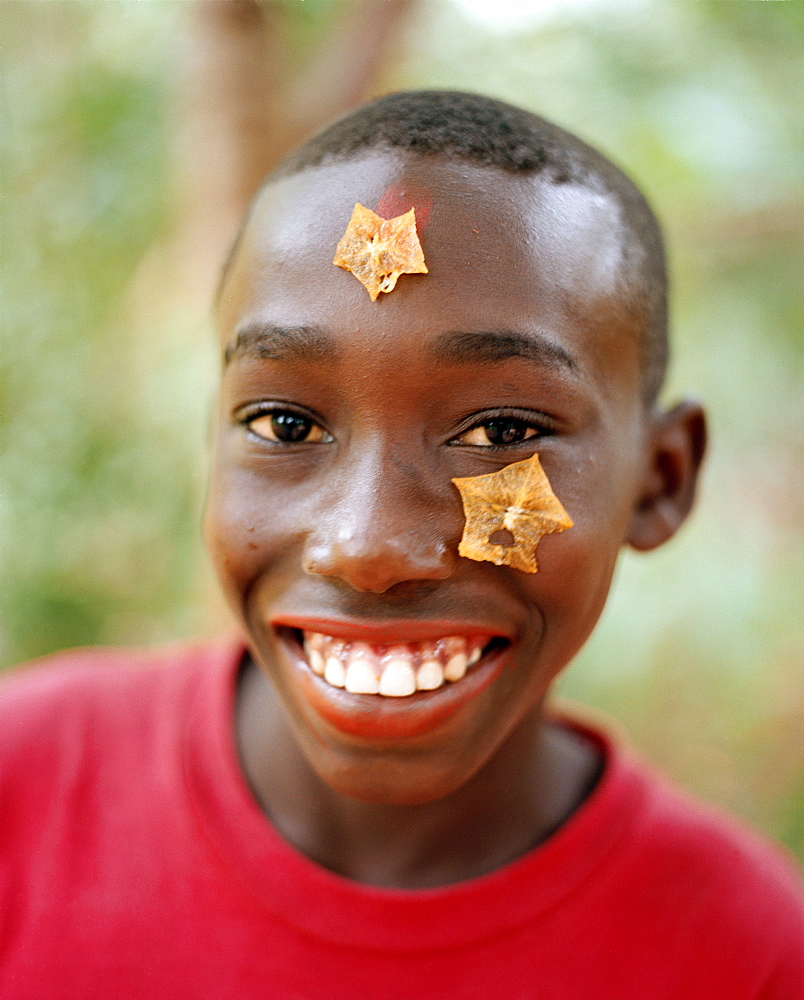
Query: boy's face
x=516 y=341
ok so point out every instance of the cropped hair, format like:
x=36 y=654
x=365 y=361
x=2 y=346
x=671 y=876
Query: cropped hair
x=491 y=133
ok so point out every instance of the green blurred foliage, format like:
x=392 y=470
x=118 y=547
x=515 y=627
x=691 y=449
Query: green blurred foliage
x=97 y=505
x=699 y=651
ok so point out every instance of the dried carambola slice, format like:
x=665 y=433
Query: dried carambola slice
x=517 y=499
x=378 y=250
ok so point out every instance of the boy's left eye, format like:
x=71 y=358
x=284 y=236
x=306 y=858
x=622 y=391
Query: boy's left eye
x=498 y=432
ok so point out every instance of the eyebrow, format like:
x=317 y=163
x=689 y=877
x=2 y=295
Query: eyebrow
x=312 y=343
x=281 y=343
x=488 y=346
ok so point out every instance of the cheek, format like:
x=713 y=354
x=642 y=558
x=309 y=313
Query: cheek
x=227 y=543
x=576 y=569
x=570 y=592
x=242 y=530
x=585 y=574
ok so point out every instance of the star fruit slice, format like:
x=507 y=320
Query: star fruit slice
x=378 y=250
x=518 y=499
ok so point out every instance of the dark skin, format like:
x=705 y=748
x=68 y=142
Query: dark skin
x=341 y=424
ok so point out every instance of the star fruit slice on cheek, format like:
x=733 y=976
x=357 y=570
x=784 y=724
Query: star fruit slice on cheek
x=378 y=250
x=517 y=499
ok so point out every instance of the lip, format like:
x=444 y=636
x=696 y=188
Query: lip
x=376 y=718
x=389 y=631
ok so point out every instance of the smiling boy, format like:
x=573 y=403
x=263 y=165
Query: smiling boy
x=369 y=797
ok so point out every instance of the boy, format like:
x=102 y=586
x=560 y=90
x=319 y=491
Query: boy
x=369 y=797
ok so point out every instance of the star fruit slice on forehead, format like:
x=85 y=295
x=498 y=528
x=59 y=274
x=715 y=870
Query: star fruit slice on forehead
x=378 y=250
x=518 y=499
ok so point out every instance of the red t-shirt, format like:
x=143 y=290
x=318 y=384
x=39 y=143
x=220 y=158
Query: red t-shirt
x=134 y=862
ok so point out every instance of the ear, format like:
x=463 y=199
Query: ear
x=676 y=448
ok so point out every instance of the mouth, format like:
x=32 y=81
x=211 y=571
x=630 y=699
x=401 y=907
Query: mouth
x=395 y=670
x=390 y=681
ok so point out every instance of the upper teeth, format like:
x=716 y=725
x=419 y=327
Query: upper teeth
x=395 y=671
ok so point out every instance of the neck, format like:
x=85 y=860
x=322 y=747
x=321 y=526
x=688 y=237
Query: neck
x=530 y=786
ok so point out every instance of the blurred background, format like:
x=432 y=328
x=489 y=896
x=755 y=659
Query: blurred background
x=131 y=136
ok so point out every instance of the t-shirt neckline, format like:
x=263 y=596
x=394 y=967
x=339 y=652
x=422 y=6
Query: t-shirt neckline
x=284 y=881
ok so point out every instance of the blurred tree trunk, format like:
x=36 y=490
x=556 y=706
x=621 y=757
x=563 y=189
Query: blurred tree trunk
x=244 y=103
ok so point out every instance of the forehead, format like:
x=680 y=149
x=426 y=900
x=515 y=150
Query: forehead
x=504 y=252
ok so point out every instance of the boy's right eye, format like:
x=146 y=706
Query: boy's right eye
x=286 y=427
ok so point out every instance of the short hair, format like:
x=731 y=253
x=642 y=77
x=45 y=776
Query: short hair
x=493 y=133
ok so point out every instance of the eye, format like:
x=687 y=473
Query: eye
x=498 y=432
x=287 y=427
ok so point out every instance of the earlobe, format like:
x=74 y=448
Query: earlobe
x=675 y=451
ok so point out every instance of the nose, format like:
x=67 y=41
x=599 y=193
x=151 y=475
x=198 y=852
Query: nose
x=383 y=525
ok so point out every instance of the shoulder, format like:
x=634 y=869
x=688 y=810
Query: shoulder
x=91 y=731
x=57 y=708
x=687 y=886
x=695 y=845
x=712 y=879
x=83 y=680
x=679 y=838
